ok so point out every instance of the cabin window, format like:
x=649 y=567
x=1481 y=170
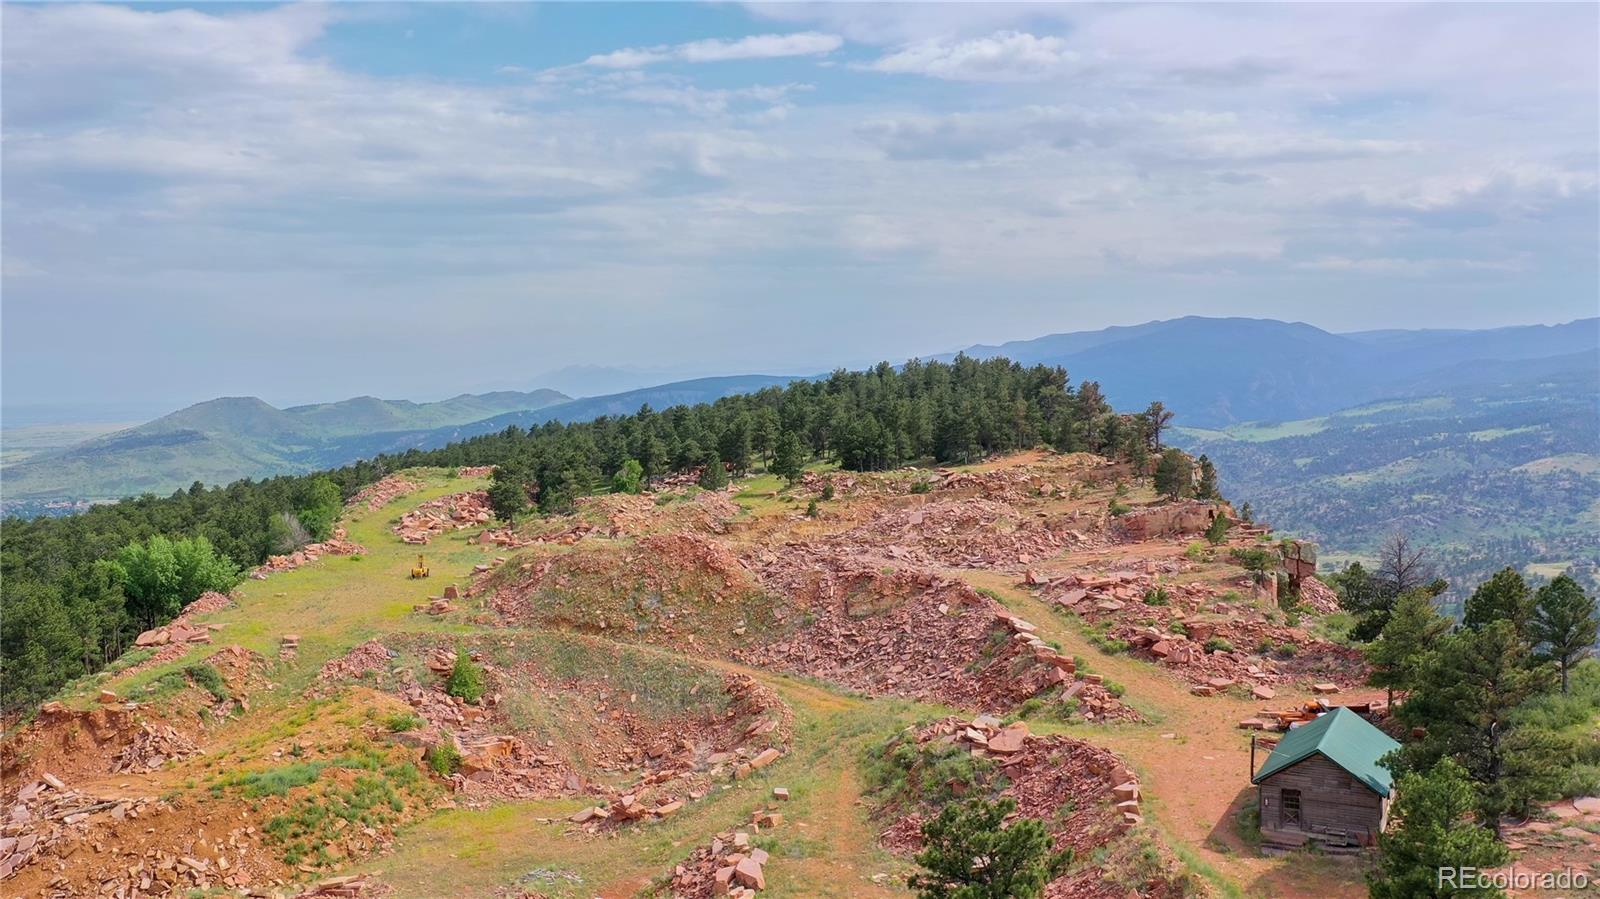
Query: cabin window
x=1289 y=809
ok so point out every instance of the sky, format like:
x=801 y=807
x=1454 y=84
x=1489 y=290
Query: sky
x=309 y=202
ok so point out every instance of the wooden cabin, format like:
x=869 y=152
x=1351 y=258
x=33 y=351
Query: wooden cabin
x=1323 y=784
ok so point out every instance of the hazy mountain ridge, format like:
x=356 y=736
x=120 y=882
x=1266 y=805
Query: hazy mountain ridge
x=1212 y=372
x=222 y=440
x=699 y=390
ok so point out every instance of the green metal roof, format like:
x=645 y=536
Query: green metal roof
x=1346 y=739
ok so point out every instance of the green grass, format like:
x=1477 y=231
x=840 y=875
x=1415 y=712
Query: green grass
x=475 y=851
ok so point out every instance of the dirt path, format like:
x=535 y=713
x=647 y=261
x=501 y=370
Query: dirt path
x=1198 y=778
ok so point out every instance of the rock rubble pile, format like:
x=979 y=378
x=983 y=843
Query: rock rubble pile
x=447 y=513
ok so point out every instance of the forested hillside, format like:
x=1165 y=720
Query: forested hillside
x=69 y=612
x=1485 y=476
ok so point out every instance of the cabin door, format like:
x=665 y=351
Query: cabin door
x=1289 y=810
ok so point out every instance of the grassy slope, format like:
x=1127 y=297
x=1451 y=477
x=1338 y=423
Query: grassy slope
x=830 y=848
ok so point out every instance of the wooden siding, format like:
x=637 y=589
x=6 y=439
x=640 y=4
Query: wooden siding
x=1331 y=801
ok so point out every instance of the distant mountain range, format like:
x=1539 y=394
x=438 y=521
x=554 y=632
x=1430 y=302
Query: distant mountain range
x=225 y=439
x=222 y=440
x=1212 y=372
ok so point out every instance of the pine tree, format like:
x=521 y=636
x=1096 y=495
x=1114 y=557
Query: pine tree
x=1398 y=653
x=1371 y=597
x=713 y=475
x=1431 y=834
x=764 y=433
x=734 y=444
x=1563 y=626
x=1207 y=488
x=1218 y=531
x=1157 y=417
x=788 y=460
x=1466 y=697
x=969 y=852
x=1505 y=596
x=508 y=491
x=1174 y=474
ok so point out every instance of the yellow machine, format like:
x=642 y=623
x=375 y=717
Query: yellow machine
x=421 y=570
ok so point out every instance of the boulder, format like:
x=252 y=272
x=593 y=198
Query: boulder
x=1010 y=739
x=748 y=873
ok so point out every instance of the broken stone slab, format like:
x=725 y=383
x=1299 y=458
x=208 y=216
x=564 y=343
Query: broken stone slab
x=1262 y=691
x=1324 y=688
x=748 y=873
x=1010 y=739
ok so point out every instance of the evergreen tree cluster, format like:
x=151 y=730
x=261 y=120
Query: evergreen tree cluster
x=1493 y=731
x=68 y=614
x=1491 y=735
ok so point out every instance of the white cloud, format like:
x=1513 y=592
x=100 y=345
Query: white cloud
x=1476 y=198
x=761 y=46
x=757 y=46
x=1002 y=56
x=710 y=102
x=628 y=58
x=175 y=159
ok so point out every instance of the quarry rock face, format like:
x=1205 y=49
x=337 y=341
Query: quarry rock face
x=1188 y=518
x=627 y=654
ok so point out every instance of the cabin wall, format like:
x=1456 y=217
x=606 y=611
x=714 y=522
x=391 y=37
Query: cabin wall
x=1331 y=800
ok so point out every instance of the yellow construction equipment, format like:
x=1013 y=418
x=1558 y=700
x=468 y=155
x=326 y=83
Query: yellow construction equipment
x=421 y=570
